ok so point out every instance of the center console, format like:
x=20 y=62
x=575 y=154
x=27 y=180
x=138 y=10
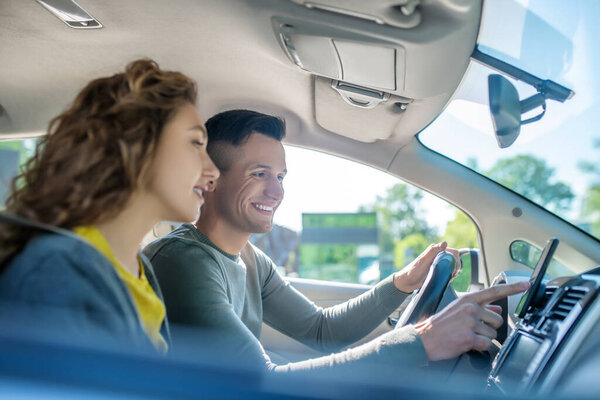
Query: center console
x=537 y=338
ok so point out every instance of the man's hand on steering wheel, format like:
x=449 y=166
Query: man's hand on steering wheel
x=468 y=323
x=412 y=276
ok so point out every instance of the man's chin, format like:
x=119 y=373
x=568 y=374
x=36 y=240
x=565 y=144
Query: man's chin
x=262 y=228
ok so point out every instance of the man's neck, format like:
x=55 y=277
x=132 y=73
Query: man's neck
x=225 y=237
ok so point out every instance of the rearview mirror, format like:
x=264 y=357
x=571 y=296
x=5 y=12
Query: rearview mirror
x=505 y=109
x=504 y=100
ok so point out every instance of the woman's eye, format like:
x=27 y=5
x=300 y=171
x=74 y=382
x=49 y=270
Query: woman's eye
x=198 y=143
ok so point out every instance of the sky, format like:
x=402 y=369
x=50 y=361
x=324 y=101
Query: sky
x=555 y=40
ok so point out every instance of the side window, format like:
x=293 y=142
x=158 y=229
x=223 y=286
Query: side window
x=12 y=155
x=346 y=222
x=528 y=254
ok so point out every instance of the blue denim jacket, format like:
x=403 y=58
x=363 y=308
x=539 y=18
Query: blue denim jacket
x=64 y=284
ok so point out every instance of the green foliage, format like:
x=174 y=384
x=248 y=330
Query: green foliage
x=461 y=232
x=461 y=282
x=25 y=147
x=591 y=209
x=408 y=248
x=472 y=163
x=340 y=220
x=400 y=215
x=11 y=145
x=10 y=150
x=331 y=262
x=531 y=177
x=591 y=202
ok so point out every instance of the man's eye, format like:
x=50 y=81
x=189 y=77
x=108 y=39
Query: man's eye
x=198 y=143
x=280 y=178
x=259 y=174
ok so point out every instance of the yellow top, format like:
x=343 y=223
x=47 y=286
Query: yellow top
x=150 y=308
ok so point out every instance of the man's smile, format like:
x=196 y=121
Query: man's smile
x=263 y=208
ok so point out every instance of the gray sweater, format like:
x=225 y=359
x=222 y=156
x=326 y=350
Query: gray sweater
x=207 y=288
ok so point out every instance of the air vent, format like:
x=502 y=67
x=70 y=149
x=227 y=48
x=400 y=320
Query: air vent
x=569 y=299
x=548 y=294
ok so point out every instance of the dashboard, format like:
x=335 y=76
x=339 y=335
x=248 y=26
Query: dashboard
x=545 y=345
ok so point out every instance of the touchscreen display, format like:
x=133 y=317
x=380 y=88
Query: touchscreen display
x=536 y=278
x=518 y=360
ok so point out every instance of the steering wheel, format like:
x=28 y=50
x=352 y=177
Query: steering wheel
x=428 y=298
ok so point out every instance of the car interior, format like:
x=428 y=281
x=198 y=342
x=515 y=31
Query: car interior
x=362 y=80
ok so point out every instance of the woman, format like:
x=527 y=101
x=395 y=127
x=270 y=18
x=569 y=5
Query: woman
x=128 y=153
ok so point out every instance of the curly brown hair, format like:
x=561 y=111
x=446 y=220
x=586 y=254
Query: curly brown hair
x=96 y=153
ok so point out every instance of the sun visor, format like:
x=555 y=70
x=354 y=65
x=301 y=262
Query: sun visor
x=336 y=115
x=363 y=64
x=378 y=76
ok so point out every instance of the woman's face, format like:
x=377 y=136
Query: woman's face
x=181 y=168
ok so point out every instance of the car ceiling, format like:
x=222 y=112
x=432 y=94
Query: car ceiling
x=234 y=51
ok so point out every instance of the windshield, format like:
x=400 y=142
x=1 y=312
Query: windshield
x=554 y=162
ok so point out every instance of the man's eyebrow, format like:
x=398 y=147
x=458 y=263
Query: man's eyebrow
x=264 y=166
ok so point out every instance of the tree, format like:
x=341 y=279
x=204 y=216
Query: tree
x=532 y=178
x=400 y=215
x=591 y=202
x=408 y=248
x=25 y=147
x=461 y=232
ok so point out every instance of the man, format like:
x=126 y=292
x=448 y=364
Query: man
x=213 y=278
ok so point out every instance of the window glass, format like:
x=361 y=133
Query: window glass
x=554 y=161
x=346 y=222
x=12 y=155
x=529 y=255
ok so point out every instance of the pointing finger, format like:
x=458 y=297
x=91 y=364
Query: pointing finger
x=497 y=292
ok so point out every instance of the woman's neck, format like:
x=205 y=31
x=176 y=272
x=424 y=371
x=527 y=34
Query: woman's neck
x=125 y=232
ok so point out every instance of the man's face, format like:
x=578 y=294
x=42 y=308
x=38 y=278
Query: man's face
x=248 y=193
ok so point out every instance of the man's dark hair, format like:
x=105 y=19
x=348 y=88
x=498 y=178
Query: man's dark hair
x=234 y=127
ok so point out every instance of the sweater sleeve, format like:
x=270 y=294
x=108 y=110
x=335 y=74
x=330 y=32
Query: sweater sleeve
x=324 y=329
x=195 y=291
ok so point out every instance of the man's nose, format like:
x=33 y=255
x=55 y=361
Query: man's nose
x=274 y=189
